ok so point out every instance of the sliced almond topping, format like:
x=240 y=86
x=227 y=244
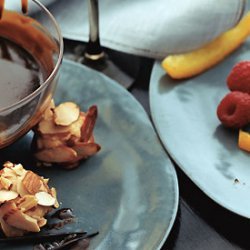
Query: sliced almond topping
x=10 y=231
x=66 y=113
x=46 y=181
x=6 y=195
x=20 y=220
x=64 y=138
x=45 y=199
x=18 y=169
x=8 y=172
x=27 y=202
x=32 y=182
x=85 y=150
x=5 y=183
x=59 y=154
x=8 y=164
x=60 y=136
x=47 y=127
x=39 y=143
x=75 y=127
x=72 y=141
x=20 y=187
x=89 y=123
x=42 y=222
x=48 y=113
x=50 y=142
x=38 y=212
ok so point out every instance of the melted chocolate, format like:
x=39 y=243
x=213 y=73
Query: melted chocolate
x=71 y=242
x=20 y=73
x=1 y=7
x=65 y=215
x=25 y=6
x=81 y=244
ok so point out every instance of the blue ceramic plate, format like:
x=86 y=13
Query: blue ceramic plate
x=184 y=114
x=129 y=190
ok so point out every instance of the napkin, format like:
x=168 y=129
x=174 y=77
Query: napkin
x=16 y=5
x=151 y=28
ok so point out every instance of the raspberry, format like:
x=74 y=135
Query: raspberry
x=234 y=109
x=239 y=77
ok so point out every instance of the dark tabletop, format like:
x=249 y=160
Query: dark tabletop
x=200 y=222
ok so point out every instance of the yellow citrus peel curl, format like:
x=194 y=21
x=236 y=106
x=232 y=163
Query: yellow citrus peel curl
x=187 y=65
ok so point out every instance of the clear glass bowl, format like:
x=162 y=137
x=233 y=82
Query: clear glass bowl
x=44 y=42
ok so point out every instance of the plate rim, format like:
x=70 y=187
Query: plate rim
x=171 y=167
x=157 y=64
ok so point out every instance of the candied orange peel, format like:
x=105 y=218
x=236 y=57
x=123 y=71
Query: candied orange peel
x=64 y=136
x=190 y=64
x=25 y=198
x=244 y=140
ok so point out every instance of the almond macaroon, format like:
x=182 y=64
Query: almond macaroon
x=64 y=135
x=25 y=199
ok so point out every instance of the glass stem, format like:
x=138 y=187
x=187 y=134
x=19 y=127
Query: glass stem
x=94 y=50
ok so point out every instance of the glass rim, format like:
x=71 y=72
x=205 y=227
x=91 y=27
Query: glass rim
x=54 y=71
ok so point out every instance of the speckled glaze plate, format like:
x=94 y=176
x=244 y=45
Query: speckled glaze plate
x=184 y=114
x=129 y=190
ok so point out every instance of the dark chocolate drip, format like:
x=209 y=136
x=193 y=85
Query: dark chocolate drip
x=64 y=213
x=25 y=6
x=71 y=242
x=5 y=50
x=1 y=8
x=77 y=241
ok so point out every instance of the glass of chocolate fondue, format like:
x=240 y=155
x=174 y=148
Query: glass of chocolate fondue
x=30 y=58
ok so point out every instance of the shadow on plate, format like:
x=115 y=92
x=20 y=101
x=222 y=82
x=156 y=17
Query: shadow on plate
x=18 y=152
